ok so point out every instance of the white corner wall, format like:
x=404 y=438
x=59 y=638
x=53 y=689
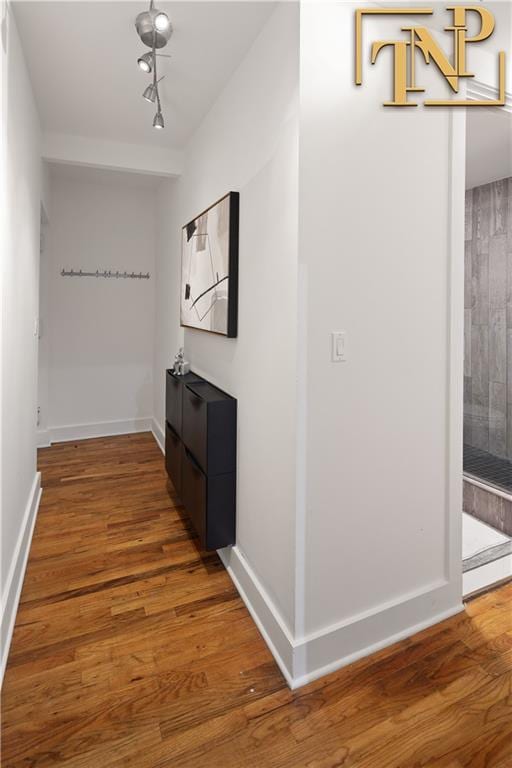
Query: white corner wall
x=99 y=331
x=381 y=258
x=20 y=170
x=249 y=143
x=168 y=334
x=349 y=479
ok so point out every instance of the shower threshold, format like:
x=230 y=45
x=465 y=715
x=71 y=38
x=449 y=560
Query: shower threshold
x=490 y=470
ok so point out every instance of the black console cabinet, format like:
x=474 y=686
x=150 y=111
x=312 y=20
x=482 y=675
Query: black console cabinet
x=200 y=455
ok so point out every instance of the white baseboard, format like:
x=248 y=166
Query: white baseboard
x=319 y=653
x=158 y=434
x=99 y=429
x=43 y=438
x=260 y=606
x=12 y=588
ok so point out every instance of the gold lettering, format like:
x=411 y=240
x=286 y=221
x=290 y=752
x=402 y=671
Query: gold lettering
x=400 y=71
x=431 y=51
x=360 y=12
x=459 y=29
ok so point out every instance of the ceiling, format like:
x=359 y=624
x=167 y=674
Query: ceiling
x=488 y=146
x=82 y=59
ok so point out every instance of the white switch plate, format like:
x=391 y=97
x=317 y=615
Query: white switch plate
x=338 y=347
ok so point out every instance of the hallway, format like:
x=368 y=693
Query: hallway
x=132 y=648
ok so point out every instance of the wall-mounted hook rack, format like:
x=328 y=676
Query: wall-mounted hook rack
x=105 y=273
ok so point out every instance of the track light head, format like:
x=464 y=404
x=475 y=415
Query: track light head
x=154 y=28
x=146 y=62
x=150 y=93
x=158 y=121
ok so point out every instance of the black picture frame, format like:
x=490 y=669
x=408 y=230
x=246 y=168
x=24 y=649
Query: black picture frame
x=186 y=287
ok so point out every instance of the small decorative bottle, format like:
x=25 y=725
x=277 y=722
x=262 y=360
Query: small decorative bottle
x=181 y=367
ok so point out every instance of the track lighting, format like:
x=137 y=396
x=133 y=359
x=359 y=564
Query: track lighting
x=158 y=121
x=146 y=62
x=154 y=29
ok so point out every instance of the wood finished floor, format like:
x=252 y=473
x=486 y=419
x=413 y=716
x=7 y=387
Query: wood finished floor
x=132 y=649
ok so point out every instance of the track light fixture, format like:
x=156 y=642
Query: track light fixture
x=146 y=62
x=154 y=29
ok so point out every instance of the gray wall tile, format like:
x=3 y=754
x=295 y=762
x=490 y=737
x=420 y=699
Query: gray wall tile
x=488 y=507
x=480 y=287
x=498 y=208
x=480 y=364
x=468 y=217
x=468 y=293
x=509 y=283
x=481 y=217
x=488 y=318
x=498 y=346
x=498 y=271
x=497 y=419
x=467 y=342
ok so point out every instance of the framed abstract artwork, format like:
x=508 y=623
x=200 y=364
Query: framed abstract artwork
x=209 y=268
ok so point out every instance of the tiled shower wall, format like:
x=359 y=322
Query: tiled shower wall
x=488 y=318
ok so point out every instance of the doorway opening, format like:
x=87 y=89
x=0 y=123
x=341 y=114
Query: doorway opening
x=487 y=453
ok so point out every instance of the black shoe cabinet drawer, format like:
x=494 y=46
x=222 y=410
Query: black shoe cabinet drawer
x=209 y=427
x=174 y=398
x=210 y=502
x=173 y=458
x=200 y=455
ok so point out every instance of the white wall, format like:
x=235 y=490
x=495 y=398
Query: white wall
x=43 y=437
x=249 y=143
x=168 y=334
x=488 y=145
x=382 y=452
x=21 y=185
x=100 y=331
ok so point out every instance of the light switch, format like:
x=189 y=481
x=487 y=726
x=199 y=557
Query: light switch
x=338 y=347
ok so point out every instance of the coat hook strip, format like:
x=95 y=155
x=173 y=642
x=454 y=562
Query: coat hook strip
x=105 y=273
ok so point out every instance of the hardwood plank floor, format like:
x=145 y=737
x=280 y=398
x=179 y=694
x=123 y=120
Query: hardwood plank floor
x=133 y=649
